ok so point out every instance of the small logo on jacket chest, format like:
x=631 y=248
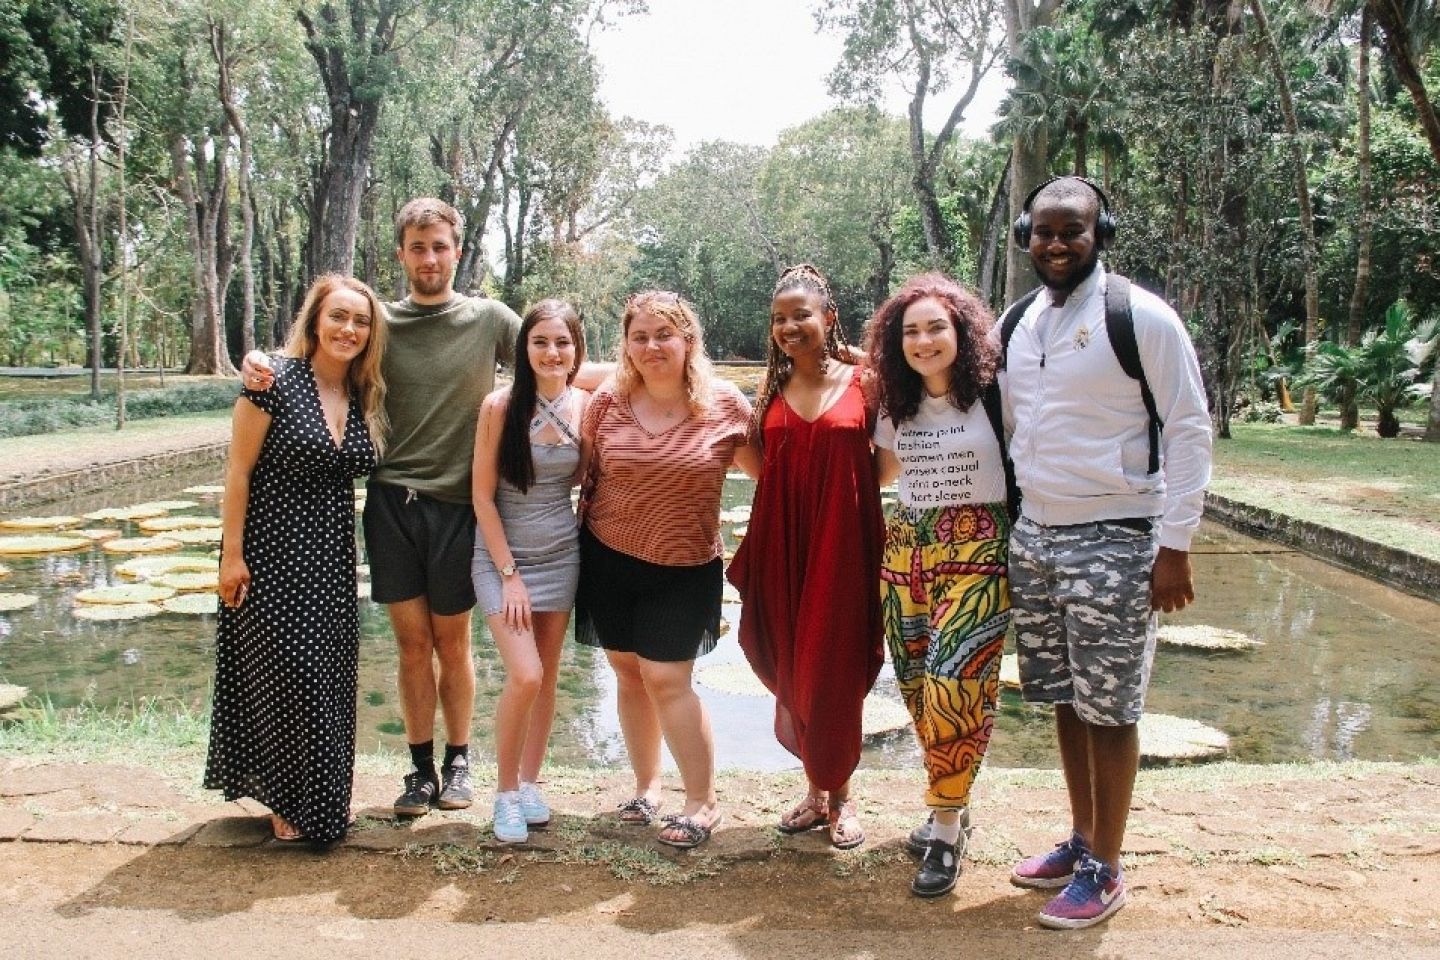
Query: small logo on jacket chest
x=1082 y=338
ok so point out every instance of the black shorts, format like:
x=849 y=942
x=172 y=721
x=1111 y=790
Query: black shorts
x=660 y=613
x=419 y=547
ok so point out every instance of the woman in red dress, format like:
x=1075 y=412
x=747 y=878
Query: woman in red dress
x=810 y=621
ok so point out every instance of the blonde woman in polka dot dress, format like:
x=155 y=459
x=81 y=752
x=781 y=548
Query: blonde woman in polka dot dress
x=283 y=716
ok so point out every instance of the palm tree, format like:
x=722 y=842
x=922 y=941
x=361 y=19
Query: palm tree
x=1388 y=367
x=1336 y=373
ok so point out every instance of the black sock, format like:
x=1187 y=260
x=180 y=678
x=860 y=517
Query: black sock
x=422 y=755
x=452 y=751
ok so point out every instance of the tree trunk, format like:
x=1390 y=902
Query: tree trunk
x=1302 y=195
x=1028 y=155
x=1349 y=408
x=1432 y=426
x=353 y=67
x=1079 y=142
x=247 y=212
x=995 y=238
x=122 y=239
x=1399 y=42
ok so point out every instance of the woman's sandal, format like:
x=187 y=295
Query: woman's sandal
x=845 y=830
x=807 y=815
x=284 y=830
x=638 y=811
x=692 y=832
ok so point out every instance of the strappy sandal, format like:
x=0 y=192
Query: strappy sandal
x=284 y=830
x=692 y=831
x=638 y=811
x=807 y=815
x=845 y=830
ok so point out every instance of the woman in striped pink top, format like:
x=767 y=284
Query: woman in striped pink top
x=661 y=437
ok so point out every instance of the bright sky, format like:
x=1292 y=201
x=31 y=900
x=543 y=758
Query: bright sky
x=740 y=70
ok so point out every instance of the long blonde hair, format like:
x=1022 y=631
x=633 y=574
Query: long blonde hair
x=668 y=306
x=363 y=376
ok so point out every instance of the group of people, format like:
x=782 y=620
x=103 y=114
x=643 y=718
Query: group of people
x=1049 y=467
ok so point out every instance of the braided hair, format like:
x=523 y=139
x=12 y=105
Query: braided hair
x=779 y=367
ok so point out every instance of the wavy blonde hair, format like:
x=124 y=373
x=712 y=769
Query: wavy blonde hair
x=363 y=375
x=668 y=306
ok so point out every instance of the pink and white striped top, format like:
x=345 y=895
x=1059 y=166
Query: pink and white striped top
x=657 y=495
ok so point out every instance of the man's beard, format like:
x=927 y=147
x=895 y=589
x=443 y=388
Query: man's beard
x=1073 y=277
x=427 y=286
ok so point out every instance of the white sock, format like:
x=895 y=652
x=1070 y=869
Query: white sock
x=946 y=826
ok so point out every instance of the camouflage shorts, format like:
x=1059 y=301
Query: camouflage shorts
x=1084 y=628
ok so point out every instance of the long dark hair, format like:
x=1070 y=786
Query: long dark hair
x=898 y=388
x=516 y=464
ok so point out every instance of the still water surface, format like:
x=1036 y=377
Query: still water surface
x=1348 y=669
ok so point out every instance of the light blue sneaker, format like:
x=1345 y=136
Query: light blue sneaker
x=533 y=806
x=509 y=819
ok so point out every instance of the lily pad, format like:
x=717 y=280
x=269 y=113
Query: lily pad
x=882 y=714
x=205 y=490
x=189 y=582
x=1165 y=738
x=40 y=523
x=739 y=532
x=740 y=514
x=1010 y=671
x=195 y=535
x=4 y=570
x=164 y=524
x=125 y=593
x=1202 y=637
x=192 y=604
x=165 y=506
x=42 y=544
x=116 y=611
x=10 y=602
x=141 y=545
x=732 y=678
x=97 y=534
x=145 y=568
x=140 y=512
x=362 y=589
x=728 y=593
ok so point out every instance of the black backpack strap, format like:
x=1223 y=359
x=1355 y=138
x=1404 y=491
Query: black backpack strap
x=1120 y=325
x=990 y=398
x=1010 y=318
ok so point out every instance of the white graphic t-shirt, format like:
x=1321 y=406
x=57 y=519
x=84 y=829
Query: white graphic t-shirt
x=947 y=457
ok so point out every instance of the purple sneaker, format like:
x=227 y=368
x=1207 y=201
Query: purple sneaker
x=1045 y=871
x=1094 y=894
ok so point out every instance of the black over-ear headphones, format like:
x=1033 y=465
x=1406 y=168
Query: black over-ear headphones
x=1104 y=222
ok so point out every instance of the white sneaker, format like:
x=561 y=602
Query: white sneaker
x=509 y=820
x=533 y=806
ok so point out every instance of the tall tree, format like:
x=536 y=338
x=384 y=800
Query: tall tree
x=931 y=46
x=1030 y=152
x=1349 y=403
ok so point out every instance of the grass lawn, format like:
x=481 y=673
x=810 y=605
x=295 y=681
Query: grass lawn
x=1383 y=490
x=30 y=388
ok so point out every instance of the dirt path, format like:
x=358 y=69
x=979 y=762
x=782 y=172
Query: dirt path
x=1315 y=861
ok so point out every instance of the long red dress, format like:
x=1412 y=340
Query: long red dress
x=807 y=573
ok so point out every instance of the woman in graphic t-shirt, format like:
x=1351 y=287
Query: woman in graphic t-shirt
x=944 y=596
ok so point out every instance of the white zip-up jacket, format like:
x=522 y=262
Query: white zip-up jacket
x=1078 y=428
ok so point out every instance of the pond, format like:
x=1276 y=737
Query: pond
x=1346 y=668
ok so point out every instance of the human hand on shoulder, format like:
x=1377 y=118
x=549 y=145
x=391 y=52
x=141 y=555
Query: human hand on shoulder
x=1172 y=585
x=256 y=372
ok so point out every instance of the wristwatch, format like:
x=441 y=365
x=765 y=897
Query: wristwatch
x=508 y=570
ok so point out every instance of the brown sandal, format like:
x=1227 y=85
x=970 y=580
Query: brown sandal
x=845 y=830
x=284 y=830
x=807 y=815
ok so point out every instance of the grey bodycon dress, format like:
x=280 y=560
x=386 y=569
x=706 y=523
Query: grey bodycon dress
x=540 y=530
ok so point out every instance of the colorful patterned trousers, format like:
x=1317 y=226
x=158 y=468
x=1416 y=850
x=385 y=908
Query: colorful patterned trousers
x=945 y=604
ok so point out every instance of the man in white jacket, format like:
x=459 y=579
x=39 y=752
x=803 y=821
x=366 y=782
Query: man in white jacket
x=1102 y=542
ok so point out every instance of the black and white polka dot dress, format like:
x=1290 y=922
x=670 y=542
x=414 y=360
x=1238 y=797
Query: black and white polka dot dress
x=282 y=727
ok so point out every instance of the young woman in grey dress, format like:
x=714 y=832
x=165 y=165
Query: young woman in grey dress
x=527 y=554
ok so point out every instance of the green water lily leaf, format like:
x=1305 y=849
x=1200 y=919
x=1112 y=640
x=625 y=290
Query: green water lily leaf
x=42 y=544
x=106 y=612
x=125 y=593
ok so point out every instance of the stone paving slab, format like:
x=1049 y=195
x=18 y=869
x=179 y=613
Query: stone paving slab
x=158 y=833
x=14 y=823
x=76 y=828
x=234 y=832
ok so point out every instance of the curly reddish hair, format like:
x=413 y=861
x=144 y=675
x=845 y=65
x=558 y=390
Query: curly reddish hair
x=894 y=385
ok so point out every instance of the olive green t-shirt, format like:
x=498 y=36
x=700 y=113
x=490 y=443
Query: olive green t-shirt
x=439 y=365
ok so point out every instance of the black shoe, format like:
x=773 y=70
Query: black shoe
x=455 y=790
x=919 y=838
x=938 y=871
x=420 y=793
